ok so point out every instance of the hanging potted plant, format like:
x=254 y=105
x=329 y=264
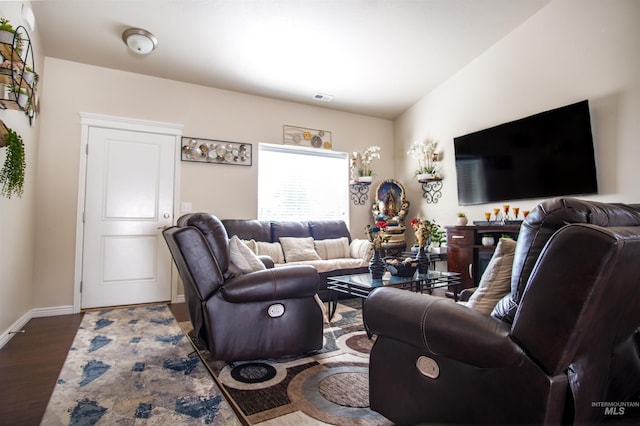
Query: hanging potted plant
x=7 y=33
x=29 y=76
x=428 y=159
x=12 y=172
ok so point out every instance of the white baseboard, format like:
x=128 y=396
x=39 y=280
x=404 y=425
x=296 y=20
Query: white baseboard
x=47 y=312
x=52 y=312
x=15 y=327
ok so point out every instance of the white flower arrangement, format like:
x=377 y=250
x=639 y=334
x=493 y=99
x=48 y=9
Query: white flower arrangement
x=361 y=161
x=426 y=155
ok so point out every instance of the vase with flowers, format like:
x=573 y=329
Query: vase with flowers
x=361 y=164
x=377 y=237
x=422 y=229
x=428 y=159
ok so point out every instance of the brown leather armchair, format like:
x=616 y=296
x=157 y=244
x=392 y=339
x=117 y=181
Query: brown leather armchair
x=566 y=336
x=264 y=314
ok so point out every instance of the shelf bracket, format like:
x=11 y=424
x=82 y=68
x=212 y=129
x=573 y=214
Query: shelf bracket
x=432 y=190
x=359 y=192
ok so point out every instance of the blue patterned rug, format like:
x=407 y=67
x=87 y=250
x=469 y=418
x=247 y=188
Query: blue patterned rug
x=134 y=366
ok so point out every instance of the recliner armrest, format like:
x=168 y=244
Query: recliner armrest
x=466 y=293
x=441 y=327
x=267 y=261
x=288 y=282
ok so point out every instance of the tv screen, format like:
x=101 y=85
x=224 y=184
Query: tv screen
x=544 y=155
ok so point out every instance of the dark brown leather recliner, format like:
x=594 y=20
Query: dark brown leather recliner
x=564 y=339
x=259 y=315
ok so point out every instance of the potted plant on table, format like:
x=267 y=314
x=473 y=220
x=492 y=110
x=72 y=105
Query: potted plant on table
x=12 y=172
x=437 y=238
x=488 y=240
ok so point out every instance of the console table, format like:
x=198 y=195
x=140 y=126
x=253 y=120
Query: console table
x=465 y=253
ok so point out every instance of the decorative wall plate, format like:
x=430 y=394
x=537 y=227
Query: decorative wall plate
x=301 y=136
x=213 y=151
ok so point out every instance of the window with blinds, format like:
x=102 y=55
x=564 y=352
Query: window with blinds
x=297 y=183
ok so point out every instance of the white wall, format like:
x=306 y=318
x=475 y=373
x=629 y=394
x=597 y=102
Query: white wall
x=571 y=50
x=69 y=88
x=17 y=214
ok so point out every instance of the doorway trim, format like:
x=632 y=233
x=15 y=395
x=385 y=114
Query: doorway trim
x=88 y=120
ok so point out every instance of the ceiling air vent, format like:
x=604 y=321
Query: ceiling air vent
x=322 y=97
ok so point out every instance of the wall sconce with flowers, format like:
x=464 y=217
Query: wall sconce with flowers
x=362 y=174
x=428 y=173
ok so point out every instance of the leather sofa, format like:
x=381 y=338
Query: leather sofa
x=272 y=231
x=565 y=337
x=267 y=313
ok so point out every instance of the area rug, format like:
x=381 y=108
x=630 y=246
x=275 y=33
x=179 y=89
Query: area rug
x=135 y=366
x=329 y=386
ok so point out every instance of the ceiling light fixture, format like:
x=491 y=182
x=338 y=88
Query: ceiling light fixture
x=139 y=41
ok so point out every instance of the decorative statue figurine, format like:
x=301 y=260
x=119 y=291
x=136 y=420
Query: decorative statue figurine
x=391 y=207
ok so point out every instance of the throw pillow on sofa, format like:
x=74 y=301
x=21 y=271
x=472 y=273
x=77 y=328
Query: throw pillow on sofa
x=251 y=244
x=298 y=249
x=495 y=282
x=333 y=248
x=361 y=249
x=273 y=250
x=242 y=257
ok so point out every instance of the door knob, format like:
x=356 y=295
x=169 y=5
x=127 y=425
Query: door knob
x=166 y=215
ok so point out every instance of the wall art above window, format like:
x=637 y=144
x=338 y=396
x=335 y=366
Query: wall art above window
x=306 y=137
x=213 y=151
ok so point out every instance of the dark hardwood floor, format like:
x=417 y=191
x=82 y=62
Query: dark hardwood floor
x=31 y=362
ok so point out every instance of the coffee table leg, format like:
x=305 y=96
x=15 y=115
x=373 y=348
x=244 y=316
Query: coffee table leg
x=333 y=303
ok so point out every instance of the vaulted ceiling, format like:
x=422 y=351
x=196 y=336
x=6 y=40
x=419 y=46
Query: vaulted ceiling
x=375 y=57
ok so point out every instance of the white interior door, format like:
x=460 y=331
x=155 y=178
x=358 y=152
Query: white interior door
x=128 y=200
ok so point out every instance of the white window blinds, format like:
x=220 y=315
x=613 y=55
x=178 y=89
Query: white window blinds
x=297 y=183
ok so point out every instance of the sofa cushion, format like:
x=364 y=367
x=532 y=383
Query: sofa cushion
x=242 y=256
x=495 y=282
x=334 y=248
x=281 y=229
x=298 y=249
x=360 y=249
x=259 y=230
x=328 y=229
x=273 y=250
x=251 y=244
x=332 y=265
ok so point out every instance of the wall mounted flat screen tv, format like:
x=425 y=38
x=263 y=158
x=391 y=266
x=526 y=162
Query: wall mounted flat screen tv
x=541 y=156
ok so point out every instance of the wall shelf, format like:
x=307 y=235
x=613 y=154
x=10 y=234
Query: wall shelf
x=18 y=85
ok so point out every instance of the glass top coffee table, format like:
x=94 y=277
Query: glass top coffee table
x=361 y=285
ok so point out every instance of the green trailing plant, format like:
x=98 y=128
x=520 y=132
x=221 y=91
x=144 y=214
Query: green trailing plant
x=12 y=172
